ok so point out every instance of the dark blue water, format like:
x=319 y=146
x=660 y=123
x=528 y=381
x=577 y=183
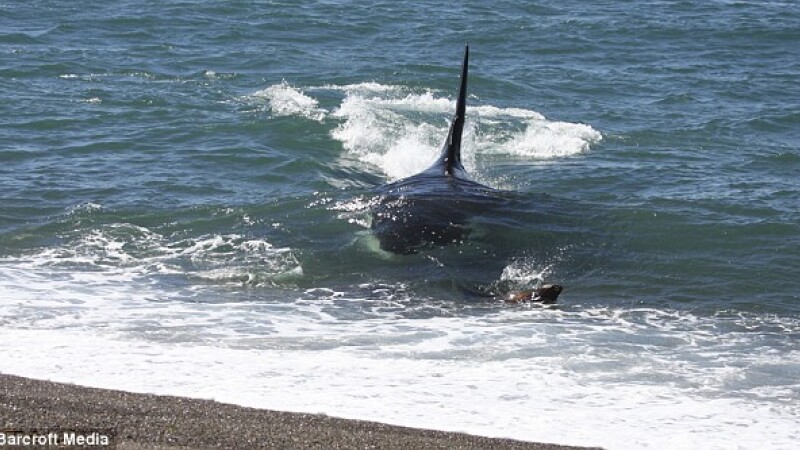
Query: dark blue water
x=175 y=153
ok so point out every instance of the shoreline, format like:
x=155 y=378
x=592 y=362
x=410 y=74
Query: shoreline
x=155 y=422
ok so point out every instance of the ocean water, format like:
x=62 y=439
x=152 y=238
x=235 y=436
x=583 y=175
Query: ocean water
x=185 y=188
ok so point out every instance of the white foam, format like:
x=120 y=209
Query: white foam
x=353 y=210
x=493 y=112
x=524 y=273
x=401 y=133
x=125 y=251
x=213 y=75
x=367 y=87
x=542 y=375
x=286 y=100
x=545 y=140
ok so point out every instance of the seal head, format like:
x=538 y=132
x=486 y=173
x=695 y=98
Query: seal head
x=547 y=294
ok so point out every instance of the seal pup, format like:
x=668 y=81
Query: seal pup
x=546 y=294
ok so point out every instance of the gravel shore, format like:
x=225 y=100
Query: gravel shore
x=149 y=422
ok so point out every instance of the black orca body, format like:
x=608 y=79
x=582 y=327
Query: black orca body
x=432 y=208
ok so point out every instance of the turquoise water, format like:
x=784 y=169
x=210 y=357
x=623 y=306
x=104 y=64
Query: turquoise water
x=200 y=174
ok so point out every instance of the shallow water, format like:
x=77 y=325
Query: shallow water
x=185 y=192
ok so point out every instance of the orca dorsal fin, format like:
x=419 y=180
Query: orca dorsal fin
x=451 y=153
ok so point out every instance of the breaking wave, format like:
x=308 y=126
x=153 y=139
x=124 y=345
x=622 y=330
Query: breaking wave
x=125 y=251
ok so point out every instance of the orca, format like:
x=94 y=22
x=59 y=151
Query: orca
x=433 y=208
